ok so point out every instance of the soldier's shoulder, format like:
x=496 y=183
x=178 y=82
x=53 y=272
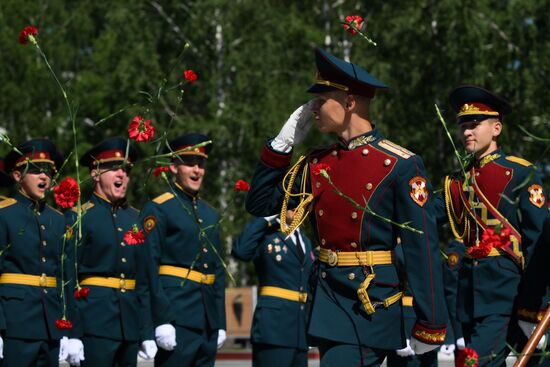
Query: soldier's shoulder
x=133 y=209
x=55 y=210
x=163 y=198
x=518 y=161
x=395 y=149
x=84 y=207
x=7 y=202
x=209 y=206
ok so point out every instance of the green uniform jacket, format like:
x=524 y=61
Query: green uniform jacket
x=31 y=241
x=103 y=252
x=172 y=223
x=392 y=181
x=512 y=186
x=277 y=321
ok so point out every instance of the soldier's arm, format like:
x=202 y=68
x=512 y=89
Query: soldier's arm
x=246 y=245
x=4 y=248
x=142 y=290
x=70 y=272
x=422 y=259
x=219 y=283
x=455 y=254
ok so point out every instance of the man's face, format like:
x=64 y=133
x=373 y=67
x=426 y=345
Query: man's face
x=34 y=180
x=189 y=171
x=111 y=180
x=479 y=137
x=329 y=111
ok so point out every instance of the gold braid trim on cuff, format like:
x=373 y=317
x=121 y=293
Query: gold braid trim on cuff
x=529 y=315
x=304 y=207
x=430 y=337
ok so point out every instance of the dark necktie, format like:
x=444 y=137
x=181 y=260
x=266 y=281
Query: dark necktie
x=299 y=247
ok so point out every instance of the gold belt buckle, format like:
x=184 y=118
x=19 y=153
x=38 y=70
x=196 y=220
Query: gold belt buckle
x=332 y=258
x=303 y=297
x=43 y=280
x=204 y=278
x=122 y=285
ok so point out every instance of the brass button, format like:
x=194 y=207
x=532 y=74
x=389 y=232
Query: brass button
x=45 y=291
x=477 y=173
x=353 y=215
x=122 y=243
x=353 y=244
x=200 y=220
x=351 y=276
x=122 y=284
x=475 y=263
x=301 y=307
x=317 y=184
x=507 y=173
x=42 y=227
x=334 y=153
x=387 y=162
x=365 y=151
x=315 y=160
x=398 y=240
x=123 y=259
x=301 y=288
x=119 y=229
x=43 y=259
x=332 y=258
x=205 y=266
x=204 y=249
x=122 y=275
x=44 y=243
x=323 y=241
x=321 y=212
x=323 y=275
x=43 y=280
x=114 y=215
x=368 y=186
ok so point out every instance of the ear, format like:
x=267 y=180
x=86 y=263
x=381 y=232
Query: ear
x=497 y=128
x=16 y=175
x=173 y=168
x=350 y=102
x=94 y=172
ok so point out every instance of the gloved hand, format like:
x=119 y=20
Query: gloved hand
x=528 y=328
x=405 y=352
x=421 y=348
x=447 y=349
x=271 y=217
x=63 y=351
x=75 y=351
x=148 y=349
x=460 y=343
x=294 y=130
x=1 y=348
x=165 y=336
x=221 y=337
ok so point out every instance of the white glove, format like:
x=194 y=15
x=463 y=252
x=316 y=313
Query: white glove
x=405 y=352
x=528 y=328
x=63 y=350
x=75 y=351
x=294 y=130
x=148 y=349
x=421 y=348
x=165 y=335
x=460 y=343
x=221 y=337
x=1 y=348
x=447 y=349
x=271 y=217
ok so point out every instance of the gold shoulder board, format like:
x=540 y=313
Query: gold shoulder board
x=396 y=149
x=519 y=160
x=7 y=202
x=86 y=206
x=164 y=197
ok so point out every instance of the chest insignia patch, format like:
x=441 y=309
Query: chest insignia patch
x=536 y=195
x=418 y=190
x=149 y=223
x=452 y=260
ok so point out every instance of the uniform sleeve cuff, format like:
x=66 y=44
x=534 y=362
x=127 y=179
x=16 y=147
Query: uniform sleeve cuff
x=429 y=336
x=274 y=159
x=529 y=315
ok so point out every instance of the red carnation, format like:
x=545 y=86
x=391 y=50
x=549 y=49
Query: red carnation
x=190 y=76
x=63 y=324
x=27 y=34
x=479 y=252
x=67 y=193
x=354 y=20
x=134 y=236
x=141 y=129
x=466 y=357
x=321 y=169
x=496 y=238
x=242 y=185
x=159 y=170
x=81 y=293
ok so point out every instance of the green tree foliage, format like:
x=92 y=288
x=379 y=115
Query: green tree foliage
x=254 y=60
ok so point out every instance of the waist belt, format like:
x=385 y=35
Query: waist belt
x=494 y=252
x=181 y=272
x=364 y=258
x=283 y=293
x=407 y=301
x=119 y=283
x=26 y=279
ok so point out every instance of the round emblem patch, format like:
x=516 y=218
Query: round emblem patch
x=452 y=259
x=418 y=190
x=536 y=195
x=149 y=223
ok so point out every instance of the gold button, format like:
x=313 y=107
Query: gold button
x=334 y=153
x=205 y=266
x=301 y=307
x=119 y=229
x=353 y=244
x=323 y=275
x=321 y=212
x=507 y=173
x=365 y=151
x=46 y=291
x=368 y=186
x=122 y=243
x=122 y=275
x=114 y=215
x=43 y=227
x=204 y=249
x=123 y=259
x=200 y=220
x=477 y=173
x=44 y=243
x=353 y=215
x=43 y=259
x=323 y=241
x=317 y=184
x=387 y=162
x=315 y=160
x=398 y=239
x=351 y=276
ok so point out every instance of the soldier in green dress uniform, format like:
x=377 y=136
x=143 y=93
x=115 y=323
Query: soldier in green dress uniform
x=32 y=295
x=183 y=234
x=498 y=209
x=357 y=316
x=112 y=262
